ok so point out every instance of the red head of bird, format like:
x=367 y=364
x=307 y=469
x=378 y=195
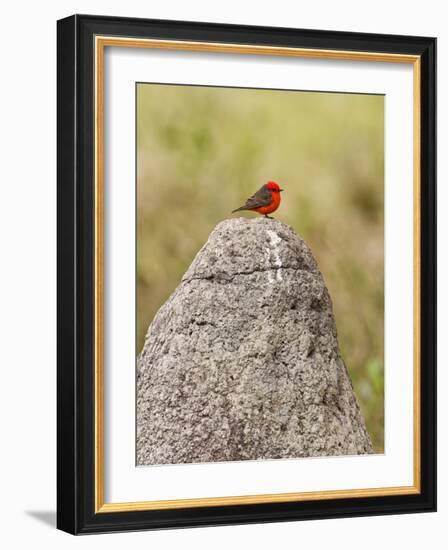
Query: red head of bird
x=273 y=186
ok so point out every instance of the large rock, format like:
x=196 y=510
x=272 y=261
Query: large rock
x=242 y=361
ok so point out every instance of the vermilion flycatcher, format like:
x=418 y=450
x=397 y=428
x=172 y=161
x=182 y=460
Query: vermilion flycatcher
x=265 y=201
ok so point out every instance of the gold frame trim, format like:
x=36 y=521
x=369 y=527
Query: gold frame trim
x=101 y=42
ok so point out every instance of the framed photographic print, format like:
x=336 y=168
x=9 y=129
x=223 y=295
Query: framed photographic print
x=246 y=274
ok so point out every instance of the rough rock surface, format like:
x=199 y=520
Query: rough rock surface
x=242 y=361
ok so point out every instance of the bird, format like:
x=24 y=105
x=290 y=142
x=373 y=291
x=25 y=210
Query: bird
x=265 y=201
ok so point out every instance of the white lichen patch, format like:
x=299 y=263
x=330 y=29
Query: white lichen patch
x=273 y=256
x=271 y=278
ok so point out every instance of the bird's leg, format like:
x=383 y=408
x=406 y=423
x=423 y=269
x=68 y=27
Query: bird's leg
x=268 y=217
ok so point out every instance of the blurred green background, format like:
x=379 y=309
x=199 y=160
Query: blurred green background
x=202 y=151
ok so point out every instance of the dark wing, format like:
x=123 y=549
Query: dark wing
x=263 y=197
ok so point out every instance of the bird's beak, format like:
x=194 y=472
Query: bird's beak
x=281 y=189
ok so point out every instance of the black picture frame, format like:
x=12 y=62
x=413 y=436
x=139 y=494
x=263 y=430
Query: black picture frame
x=76 y=512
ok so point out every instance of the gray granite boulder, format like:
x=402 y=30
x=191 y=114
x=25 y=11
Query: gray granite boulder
x=242 y=361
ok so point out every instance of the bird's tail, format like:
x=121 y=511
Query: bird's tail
x=238 y=209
